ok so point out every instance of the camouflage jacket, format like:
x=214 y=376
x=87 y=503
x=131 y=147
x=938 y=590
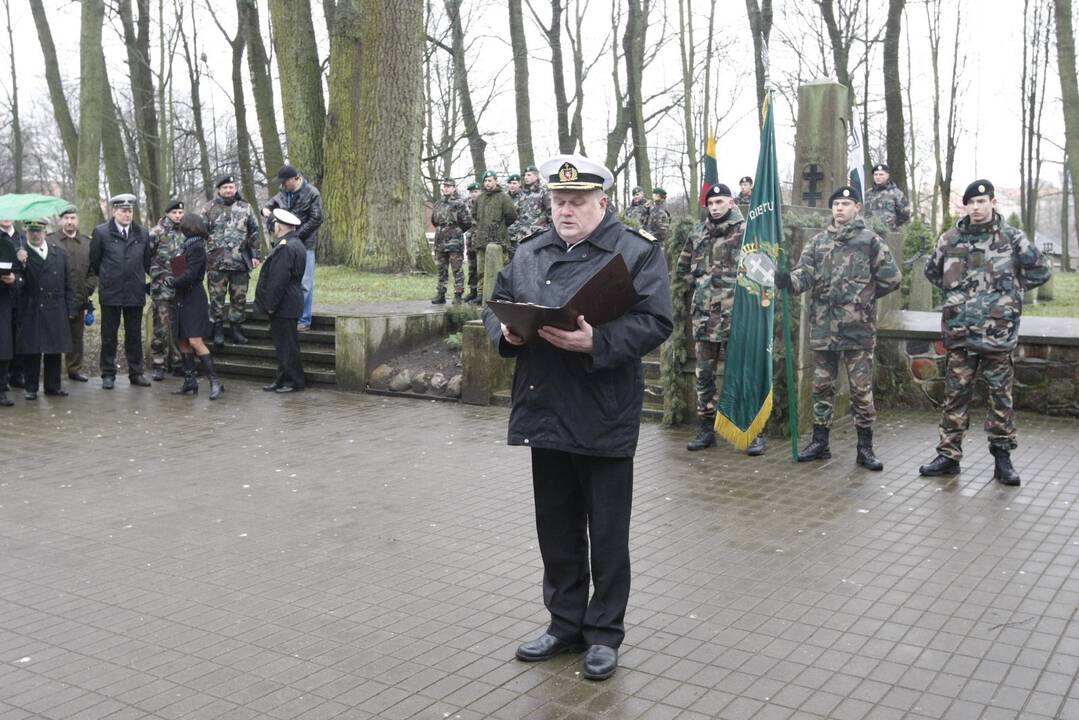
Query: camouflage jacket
x=888 y=203
x=165 y=242
x=845 y=270
x=533 y=211
x=709 y=264
x=639 y=211
x=234 y=231
x=659 y=221
x=743 y=197
x=494 y=213
x=983 y=270
x=451 y=218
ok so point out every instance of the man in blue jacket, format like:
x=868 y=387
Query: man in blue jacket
x=577 y=399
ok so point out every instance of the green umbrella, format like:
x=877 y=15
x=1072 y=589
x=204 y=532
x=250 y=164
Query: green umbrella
x=30 y=206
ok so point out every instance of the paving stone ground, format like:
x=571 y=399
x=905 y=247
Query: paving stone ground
x=331 y=555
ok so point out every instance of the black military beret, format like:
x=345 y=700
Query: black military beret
x=69 y=210
x=174 y=204
x=747 y=179
x=659 y=191
x=490 y=174
x=224 y=179
x=473 y=186
x=531 y=168
x=881 y=166
x=976 y=188
x=717 y=190
x=638 y=189
x=287 y=172
x=845 y=193
x=514 y=177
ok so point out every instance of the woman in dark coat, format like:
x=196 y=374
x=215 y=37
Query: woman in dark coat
x=10 y=280
x=46 y=302
x=191 y=309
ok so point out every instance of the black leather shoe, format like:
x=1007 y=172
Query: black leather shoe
x=757 y=447
x=158 y=374
x=108 y=383
x=78 y=377
x=5 y=401
x=272 y=387
x=285 y=389
x=940 y=465
x=600 y=662
x=545 y=647
x=30 y=395
x=139 y=380
x=56 y=393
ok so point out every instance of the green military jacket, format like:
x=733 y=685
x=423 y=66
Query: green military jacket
x=165 y=242
x=845 y=270
x=494 y=214
x=234 y=235
x=659 y=220
x=533 y=211
x=83 y=280
x=709 y=264
x=983 y=270
x=451 y=218
x=639 y=211
x=888 y=203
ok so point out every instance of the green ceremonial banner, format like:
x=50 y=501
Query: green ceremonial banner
x=745 y=402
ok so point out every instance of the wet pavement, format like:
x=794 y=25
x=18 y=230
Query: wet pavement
x=327 y=555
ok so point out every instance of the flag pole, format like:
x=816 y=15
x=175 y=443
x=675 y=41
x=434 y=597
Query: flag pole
x=788 y=353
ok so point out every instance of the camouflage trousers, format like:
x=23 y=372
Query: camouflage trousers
x=444 y=261
x=709 y=355
x=473 y=274
x=163 y=350
x=860 y=376
x=959 y=381
x=231 y=282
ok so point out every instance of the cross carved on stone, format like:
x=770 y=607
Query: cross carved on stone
x=811 y=193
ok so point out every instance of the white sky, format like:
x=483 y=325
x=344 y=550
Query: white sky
x=989 y=145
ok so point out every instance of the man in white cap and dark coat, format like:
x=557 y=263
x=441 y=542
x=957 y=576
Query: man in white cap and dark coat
x=120 y=257
x=279 y=294
x=577 y=399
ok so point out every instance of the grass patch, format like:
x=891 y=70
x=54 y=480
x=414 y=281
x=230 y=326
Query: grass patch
x=1065 y=301
x=338 y=285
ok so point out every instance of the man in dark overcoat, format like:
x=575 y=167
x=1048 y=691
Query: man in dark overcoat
x=46 y=302
x=577 y=399
x=279 y=294
x=12 y=241
x=11 y=258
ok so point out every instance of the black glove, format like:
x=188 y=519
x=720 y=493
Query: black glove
x=783 y=280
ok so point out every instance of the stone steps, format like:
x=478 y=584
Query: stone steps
x=258 y=359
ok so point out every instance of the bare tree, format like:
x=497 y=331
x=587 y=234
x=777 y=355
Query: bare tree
x=519 y=46
x=305 y=111
x=16 y=124
x=553 y=32
x=476 y=144
x=60 y=110
x=1069 y=91
x=91 y=100
x=893 y=96
x=944 y=150
x=687 y=55
x=194 y=75
x=239 y=105
x=262 y=89
x=117 y=163
x=760 y=25
x=136 y=31
x=1037 y=29
x=633 y=46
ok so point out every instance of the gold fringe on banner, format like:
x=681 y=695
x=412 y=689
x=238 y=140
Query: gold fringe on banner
x=742 y=438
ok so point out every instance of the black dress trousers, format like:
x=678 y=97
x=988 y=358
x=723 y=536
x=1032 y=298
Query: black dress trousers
x=110 y=327
x=32 y=371
x=582 y=500
x=286 y=342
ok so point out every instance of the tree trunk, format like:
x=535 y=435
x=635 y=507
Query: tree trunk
x=301 y=85
x=239 y=104
x=893 y=97
x=1065 y=190
x=1069 y=91
x=633 y=45
x=686 y=54
x=91 y=100
x=840 y=50
x=137 y=42
x=576 y=123
x=117 y=170
x=68 y=133
x=16 y=125
x=262 y=89
x=476 y=144
x=194 y=77
x=616 y=135
x=519 y=45
x=566 y=142
x=760 y=24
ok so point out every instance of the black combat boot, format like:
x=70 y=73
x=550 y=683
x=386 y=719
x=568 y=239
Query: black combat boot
x=817 y=449
x=216 y=388
x=471 y=295
x=1004 y=473
x=237 y=336
x=191 y=383
x=158 y=374
x=439 y=298
x=757 y=447
x=940 y=465
x=4 y=400
x=706 y=436
x=219 y=336
x=866 y=458
x=457 y=298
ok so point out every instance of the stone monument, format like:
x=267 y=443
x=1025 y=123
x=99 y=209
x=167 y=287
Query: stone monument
x=820 y=144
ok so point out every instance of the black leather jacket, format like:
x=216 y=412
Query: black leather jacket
x=306 y=204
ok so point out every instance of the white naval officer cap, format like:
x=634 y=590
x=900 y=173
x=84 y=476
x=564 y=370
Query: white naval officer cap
x=286 y=218
x=575 y=172
x=123 y=200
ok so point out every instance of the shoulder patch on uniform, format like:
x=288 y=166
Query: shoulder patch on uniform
x=643 y=233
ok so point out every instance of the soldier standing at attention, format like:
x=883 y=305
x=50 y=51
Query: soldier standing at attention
x=983 y=265
x=533 y=208
x=451 y=219
x=165 y=240
x=232 y=252
x=886 y=201
x=845 y=268
x=709 y=264
x=470 y=245
x=638 y=207
x=659 y=220
x=83 y=282
x=745 y=190
x=494 y=214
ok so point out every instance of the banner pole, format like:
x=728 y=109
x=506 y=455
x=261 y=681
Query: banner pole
x=788 y=352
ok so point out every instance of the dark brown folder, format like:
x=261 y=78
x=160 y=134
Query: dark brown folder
x=604 y=297
x=178 y=265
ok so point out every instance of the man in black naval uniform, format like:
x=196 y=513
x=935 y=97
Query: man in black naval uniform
x=279 y=294
x=577 y=404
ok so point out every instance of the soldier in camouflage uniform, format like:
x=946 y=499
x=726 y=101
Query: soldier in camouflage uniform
x=232 y=252
x=638 y=207
x=165 y=241
x=745 y=190
x=451 y=219
x=982 y=265
x=494 y=214
x=470 y=246
x=533 y=208
x=513 y=187
x=845 y=268
x=709 y=264
x=885 y=200
x=659 y=220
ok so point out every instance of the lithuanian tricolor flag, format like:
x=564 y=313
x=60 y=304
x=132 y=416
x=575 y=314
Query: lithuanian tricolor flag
x=711 y=171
